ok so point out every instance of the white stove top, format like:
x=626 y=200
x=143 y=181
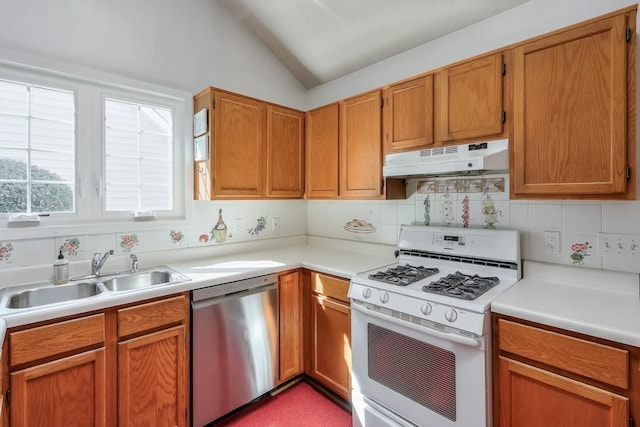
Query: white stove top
x=486 y=253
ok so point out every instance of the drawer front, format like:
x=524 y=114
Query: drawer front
x=140 y=318
x=600 y=362
x=330 y=286
x=58 y=338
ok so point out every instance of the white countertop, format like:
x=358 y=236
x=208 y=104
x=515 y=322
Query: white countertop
x=334 y=258
x=603 y=304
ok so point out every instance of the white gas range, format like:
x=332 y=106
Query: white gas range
x=421 y=328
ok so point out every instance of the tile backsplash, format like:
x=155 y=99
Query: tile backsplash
x=456 y=201
x=578 y=222
x=244 y=221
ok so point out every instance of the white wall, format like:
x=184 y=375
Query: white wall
x=520 y=23
x=185 y=45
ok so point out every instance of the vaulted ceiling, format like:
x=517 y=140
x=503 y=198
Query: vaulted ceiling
x=321 y=40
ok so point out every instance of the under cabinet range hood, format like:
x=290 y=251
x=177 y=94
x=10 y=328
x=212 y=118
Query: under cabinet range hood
x=467 y=159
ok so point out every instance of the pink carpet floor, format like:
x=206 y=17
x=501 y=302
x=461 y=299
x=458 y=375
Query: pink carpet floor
x=298 y=406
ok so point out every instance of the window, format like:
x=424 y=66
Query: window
x=37 y=149
x=139 y=156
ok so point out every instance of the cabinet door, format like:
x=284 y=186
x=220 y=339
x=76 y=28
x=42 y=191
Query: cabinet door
x=65 y=392
x=408 y=115
x=331 y=344
x=290 y=325
x=238 y=147
x=152 y=380
x=322 y=152
x=532 y=397
x=360 y=146
x=285 y=152
x=570 y=112
x=471 y=99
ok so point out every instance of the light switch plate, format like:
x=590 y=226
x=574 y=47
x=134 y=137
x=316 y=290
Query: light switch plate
x=613 y=245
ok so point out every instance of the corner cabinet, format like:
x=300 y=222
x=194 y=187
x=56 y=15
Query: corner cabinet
x=328 y=327
x=361 y=146
x=408 y=115
x=323 y=145
x=470 y=100
x=574 y=106
x=125 y=366
x=549 y=377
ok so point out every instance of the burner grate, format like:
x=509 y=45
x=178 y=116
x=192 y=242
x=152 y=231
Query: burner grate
x=403 y=275
x=463 y=286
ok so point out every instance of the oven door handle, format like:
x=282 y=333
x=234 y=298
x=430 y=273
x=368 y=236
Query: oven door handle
x=422 y=329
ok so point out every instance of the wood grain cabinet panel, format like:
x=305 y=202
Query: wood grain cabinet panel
x=57 y=338
x=285 y=152
x=237 y=146
x=328 y=330
x=62 y=393
x=360 y=146
x=322 y=148
x=533 y=397
x=290 y=326
x=471 y=99
x=151 y=380
x=570 y=106
x=544 y=376
x=151 y=315
x=408 y=115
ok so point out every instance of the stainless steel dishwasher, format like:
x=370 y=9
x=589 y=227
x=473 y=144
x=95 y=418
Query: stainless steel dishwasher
x=234 y=351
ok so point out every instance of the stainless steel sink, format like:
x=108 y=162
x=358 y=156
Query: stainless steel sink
x=53 y=294
x=143 y=279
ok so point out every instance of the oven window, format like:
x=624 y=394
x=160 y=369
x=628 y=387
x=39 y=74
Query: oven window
x=419 y=371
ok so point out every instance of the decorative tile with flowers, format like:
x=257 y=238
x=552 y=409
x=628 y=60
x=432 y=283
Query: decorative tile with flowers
x=579 y=251
x=128 y=243
x=72 y=247
x=5 y=251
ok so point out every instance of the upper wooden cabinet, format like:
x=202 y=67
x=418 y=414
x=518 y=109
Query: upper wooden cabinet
x=256 y=149
x=323 y=136
x=237 y=146
x=408 y=115
x=360 y=146
x=285 y=152
x=470 y=100
x=570 y=106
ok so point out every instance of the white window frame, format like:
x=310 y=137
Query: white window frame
x=89 y=94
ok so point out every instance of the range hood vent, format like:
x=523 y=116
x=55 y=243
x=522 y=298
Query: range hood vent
x=468 y=159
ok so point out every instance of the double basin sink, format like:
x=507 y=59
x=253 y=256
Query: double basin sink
x=44 y=294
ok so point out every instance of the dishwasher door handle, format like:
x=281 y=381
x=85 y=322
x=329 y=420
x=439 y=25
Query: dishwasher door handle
x=234 y=295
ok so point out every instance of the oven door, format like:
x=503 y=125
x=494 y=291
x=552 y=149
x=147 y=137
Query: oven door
x=424 y=375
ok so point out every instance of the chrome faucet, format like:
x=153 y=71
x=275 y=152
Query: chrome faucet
x=97 y=262
x=134 y=263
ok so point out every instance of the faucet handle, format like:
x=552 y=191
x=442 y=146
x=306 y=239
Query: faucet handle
x=96 y=255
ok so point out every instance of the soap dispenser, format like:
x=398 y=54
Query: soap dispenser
x=60 y=270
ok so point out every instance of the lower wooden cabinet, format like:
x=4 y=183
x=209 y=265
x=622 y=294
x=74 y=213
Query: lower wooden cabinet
x=152 y=379
x=126 y=366
x=290 y=326
x=66 y=392
x=329 y=333
x=553 y=378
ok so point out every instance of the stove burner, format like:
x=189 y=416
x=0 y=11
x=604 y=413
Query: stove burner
x=403 y=275
x=463 y=286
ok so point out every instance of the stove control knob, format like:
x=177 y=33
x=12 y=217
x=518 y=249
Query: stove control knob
x=384 y=297
x=451 y=315
x=366 y=293
x=426 y=309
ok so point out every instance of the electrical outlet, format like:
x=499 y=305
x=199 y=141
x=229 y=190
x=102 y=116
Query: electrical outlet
x=552 y=242
x=275 y=224
x=237 y=224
